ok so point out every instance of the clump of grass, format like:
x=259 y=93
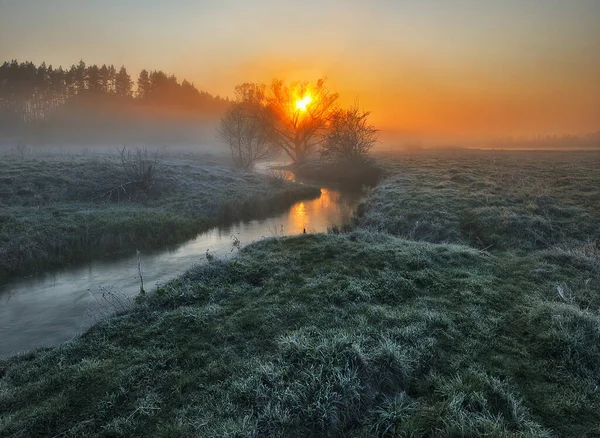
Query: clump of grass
x=278 y=176
x=359 y=334
x=140 y=169
x=108 y=300
x=583 y=254
x=19 y=150
x=340 y=229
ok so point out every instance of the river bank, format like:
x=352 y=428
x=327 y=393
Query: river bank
x=361 y=334
x=56 y=305
x=64 y=209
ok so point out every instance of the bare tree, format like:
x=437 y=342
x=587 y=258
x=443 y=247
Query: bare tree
x=140 y=169
x=350 y=136
x=298 y=114
x=245 y=128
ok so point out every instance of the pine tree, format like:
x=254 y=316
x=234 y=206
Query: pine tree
x=123 y=83
x=105 y=79
x=143 y=84
x=79 y=73
x=93 y=79
x=112 y=79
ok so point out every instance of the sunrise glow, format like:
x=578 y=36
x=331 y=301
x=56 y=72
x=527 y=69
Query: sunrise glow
x=301 y=104
x=474 y=69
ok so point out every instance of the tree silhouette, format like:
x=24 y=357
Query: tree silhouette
x=94 y=79
x=245 y=130
x=350 y=136
x=112 y=79
x=105 y=79
x=296 y=129
x=79 y=73
x=123 y=83
x=143 y=84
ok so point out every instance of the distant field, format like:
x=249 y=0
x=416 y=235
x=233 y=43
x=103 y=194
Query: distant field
x=493 y=200
x=56 y=209
x=465 y=302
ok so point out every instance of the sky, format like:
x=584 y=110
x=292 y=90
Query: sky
x=447 y=68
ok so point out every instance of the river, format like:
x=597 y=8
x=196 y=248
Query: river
x=53 y=307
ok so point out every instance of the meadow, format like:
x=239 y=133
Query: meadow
x=493 y=200
x=61 y=208
x=464 y=301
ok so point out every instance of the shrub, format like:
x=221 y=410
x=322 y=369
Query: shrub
x=350 y=137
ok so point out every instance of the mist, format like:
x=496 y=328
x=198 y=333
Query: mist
x=88 y=105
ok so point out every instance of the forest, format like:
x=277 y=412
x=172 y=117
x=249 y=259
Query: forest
x=90 y=104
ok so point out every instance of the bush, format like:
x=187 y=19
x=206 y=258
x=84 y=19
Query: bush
x=350 y=137
x=351 y=174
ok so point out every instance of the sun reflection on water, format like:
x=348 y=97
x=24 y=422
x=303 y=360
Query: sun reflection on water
x=314 y=215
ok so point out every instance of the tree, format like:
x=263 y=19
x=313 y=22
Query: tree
x=59 y=87
x=123 y=83
x=298 y=114
x=158 y=83
x=70 y=85
x=245 y=130
x=143 y=84
x=349 y=136
x=104 y=79
x=112 y=79
x=94 y=79
x=189 y=94
x=79 y=76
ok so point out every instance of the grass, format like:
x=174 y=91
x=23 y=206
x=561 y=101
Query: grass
x=498 y=200
x=409 y=325
x=360 y=334
x=52 y=210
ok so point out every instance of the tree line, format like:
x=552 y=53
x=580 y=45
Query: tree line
x=566 y=141
x=31 y=93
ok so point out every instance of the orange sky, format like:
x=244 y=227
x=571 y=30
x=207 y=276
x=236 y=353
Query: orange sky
x=453 y=69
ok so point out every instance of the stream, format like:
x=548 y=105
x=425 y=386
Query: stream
x=52 y=307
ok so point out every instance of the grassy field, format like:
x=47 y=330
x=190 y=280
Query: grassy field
x=496 y=200
x=55 y=210
x=410 y=325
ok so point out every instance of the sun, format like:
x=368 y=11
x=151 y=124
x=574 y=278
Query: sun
x=302 y=103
